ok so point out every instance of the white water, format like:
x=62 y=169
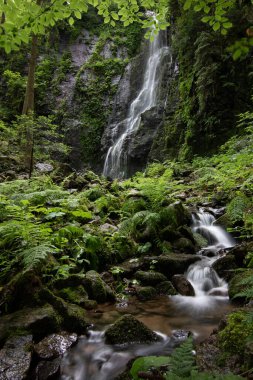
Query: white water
x=115 y=165
x=92 y=359
x=210 y=289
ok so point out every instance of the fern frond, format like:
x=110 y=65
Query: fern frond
x=33 y=257
x=182 y=359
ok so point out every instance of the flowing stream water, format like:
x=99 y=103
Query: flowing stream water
x=115 y=165
x=92 y=359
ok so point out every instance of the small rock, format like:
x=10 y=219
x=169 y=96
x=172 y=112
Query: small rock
x=146 y=293
x=15 y=358
x=166 y=288
x=54 y=345
x=106 y=227
x=43 y=167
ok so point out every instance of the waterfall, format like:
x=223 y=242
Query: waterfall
x=209 y=288
x=116 y=160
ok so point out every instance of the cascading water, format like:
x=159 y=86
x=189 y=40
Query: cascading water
x=115 y=165
x=209 y=288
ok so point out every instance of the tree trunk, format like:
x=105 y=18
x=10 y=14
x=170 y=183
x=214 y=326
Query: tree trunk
x=28 y=105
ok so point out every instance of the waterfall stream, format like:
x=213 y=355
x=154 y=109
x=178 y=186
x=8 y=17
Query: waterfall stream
x=210 y=289
x=93 y=359
x=115 y=165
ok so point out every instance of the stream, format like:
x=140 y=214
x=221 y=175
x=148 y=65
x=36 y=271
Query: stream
x=171 y=317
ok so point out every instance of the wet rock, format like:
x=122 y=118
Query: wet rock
x=15 y=358
x=73 y=317
x=186 y=232
x=218 y=292
x=71 y=281
x=182 y=285
x=48 y=369
x=166 y=288
x=43 y=167
x=224 y=265
x=97 y=289
x=184 y=245
x=54 y=345
x=172 y=263
x=150 y=278
x=146 y=293
x=178 y=336
x=38 y=321
x=240 y=252
x=109 y=228
x=128 y=329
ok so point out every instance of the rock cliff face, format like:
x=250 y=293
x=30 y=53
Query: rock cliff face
x=136 y=145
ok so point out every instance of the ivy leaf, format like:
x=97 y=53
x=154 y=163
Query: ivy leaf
x=71 y=21
x=78 y=15
x=227 y=25
x=187 y=4
x=216 y=26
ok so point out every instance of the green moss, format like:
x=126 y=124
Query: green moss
x=232 y=339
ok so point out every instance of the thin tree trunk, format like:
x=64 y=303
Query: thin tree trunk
x=28 y=105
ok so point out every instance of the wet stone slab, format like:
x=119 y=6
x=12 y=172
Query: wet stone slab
x=15 y=358
x=54 y=345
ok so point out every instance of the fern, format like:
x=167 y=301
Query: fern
x=182 y=360
x=33 y=257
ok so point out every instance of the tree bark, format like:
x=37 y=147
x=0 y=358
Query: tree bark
x=28 y=105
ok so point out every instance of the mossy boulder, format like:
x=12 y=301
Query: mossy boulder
x=150 y=278
x=146 y=293
x=184 y=245
x=74 y=295
x=128 y=329
x=169 y=234
x=97 y=289
x=172 y=263
x=166 y=288
x=176 y=215
x=225 y=266
x=235 y=285
x=37 y=321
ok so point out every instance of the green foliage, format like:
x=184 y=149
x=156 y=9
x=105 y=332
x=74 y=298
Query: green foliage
x=147 y=362
x=182 y=360
x=233 y=337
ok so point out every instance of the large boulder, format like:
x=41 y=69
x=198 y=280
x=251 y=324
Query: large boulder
x=37 y=321
x=176 y=215
x=128 y=329
x=225 y=266
x=97 y=289
x=184 y=245
x=172 y=263
x=182 y=285
x=150 y=278
x=15 y=358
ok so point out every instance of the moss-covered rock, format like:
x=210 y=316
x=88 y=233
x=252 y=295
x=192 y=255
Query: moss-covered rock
x=184 y=245
x=166 y=288
x=225 y=266
x=146 y=293
x=97 y=289
x=74 y=295
x=128 y=329
x=37 y=321
x=172 y=263
x=177 y=215
x=150 y=278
